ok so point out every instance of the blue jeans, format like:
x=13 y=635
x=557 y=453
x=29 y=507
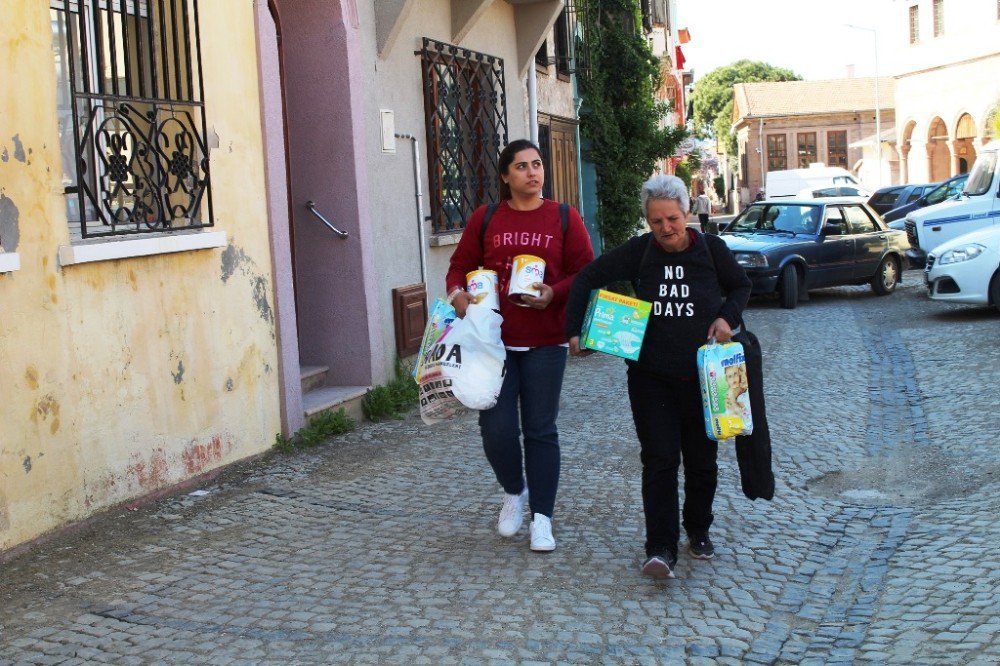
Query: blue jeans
x=535 y=377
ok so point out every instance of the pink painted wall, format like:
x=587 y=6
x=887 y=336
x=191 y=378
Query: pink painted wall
x=292 y=417
x=338 y=324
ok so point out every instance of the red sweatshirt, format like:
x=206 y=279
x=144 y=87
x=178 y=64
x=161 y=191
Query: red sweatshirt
x=513 y=232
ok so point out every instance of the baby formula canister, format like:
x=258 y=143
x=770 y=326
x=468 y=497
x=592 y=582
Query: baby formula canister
x=482 y=285
x=526 y=270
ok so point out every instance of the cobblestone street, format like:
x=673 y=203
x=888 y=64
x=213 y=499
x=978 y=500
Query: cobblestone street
x=881 y=546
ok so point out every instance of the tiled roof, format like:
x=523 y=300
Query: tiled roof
x=797 y=98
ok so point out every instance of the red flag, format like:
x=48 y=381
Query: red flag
x=679 y=58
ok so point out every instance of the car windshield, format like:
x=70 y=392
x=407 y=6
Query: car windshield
x=981 y=175
x=791 y=218
x=945 y=190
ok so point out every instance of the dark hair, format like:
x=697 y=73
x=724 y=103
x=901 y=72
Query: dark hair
x=507 y=156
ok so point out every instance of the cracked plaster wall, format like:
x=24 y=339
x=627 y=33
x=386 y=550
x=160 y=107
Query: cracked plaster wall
x=120 y=378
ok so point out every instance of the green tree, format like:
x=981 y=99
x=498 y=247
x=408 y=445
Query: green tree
x=720 y=187
x=712 y=97
x=620 y=119
x=685 y=172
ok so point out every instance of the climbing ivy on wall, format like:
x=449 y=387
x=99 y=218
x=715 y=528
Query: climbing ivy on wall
x=620 y=118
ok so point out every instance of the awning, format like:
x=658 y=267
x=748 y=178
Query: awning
x=683 y=36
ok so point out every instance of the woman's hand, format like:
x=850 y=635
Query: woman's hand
x=540 y=302
x=576 y=350
x=720 y=330
x=461 y=302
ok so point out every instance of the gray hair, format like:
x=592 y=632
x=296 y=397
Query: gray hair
x=662 y=187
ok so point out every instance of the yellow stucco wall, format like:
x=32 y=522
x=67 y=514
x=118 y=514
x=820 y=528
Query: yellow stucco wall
x=119 y=378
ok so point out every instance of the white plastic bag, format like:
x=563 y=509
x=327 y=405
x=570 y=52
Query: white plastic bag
x=464 y=367
x=476 y=361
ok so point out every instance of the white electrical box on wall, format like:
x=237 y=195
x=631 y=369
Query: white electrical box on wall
x=388 y=123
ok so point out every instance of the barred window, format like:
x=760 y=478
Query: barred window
x=465 y=106
x=914 y=24
x=777 y=152
x=131 y=117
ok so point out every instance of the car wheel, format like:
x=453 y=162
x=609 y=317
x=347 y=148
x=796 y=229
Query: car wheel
x=886 y=277
x=995 y=290
x=789 y=287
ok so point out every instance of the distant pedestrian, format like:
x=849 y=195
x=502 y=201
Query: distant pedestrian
x=703 y=207
x=698 y=291
x=533 y=333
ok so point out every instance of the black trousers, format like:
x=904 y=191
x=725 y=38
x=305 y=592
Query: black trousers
x=703 y=221
x=670 y=425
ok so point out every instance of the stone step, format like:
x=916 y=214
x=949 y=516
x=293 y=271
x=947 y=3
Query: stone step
x=312 y=377
x=332 y=398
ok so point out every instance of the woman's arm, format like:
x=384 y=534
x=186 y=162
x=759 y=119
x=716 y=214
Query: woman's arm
x=621 y=263
x=733 y=280
x=577 y=253
x=468 y=256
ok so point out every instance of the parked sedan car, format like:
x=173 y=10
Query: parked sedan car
x=895 y=196
x=792 y=246
x=946 y=190
x=966 y=269
x=843 y=191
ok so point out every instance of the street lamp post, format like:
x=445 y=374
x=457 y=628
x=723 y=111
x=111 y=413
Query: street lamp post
x=878 y=112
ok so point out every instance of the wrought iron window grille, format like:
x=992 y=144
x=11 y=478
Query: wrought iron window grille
x=465 y=107
x=130 y=73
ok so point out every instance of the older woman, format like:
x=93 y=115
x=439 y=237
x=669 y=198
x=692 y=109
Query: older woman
x=698 y=291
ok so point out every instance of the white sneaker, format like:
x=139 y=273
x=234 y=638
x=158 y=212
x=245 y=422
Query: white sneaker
x=512 y=513
x=542 y=540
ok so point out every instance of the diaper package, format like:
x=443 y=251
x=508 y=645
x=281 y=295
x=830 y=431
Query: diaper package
x=725 y=396
x=615 y=324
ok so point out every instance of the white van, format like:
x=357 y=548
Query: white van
x=790 y=182
x=976 y=207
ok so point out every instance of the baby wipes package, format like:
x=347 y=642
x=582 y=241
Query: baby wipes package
x=725 y=396
x=615 y=324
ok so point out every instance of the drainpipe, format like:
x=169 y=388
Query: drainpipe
x=420 y=201
x=760 y=151
x=532 y=103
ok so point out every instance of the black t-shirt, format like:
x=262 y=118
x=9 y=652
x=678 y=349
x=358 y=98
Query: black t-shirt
x=689 y=290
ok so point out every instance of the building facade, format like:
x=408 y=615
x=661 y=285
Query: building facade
x=947 y=84
x=792 y=124
x=388 y=117
x=204 y=203
x=137 y=321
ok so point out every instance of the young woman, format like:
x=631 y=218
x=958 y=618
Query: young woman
x=532 y=331
x=698 y=291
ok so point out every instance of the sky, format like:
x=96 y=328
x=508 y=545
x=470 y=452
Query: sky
x=806 y=36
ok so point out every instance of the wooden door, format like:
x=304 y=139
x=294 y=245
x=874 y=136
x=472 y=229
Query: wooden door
x=563 y=150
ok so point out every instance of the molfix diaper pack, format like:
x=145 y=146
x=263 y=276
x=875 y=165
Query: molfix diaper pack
x=725 y=396
x=615 y=324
